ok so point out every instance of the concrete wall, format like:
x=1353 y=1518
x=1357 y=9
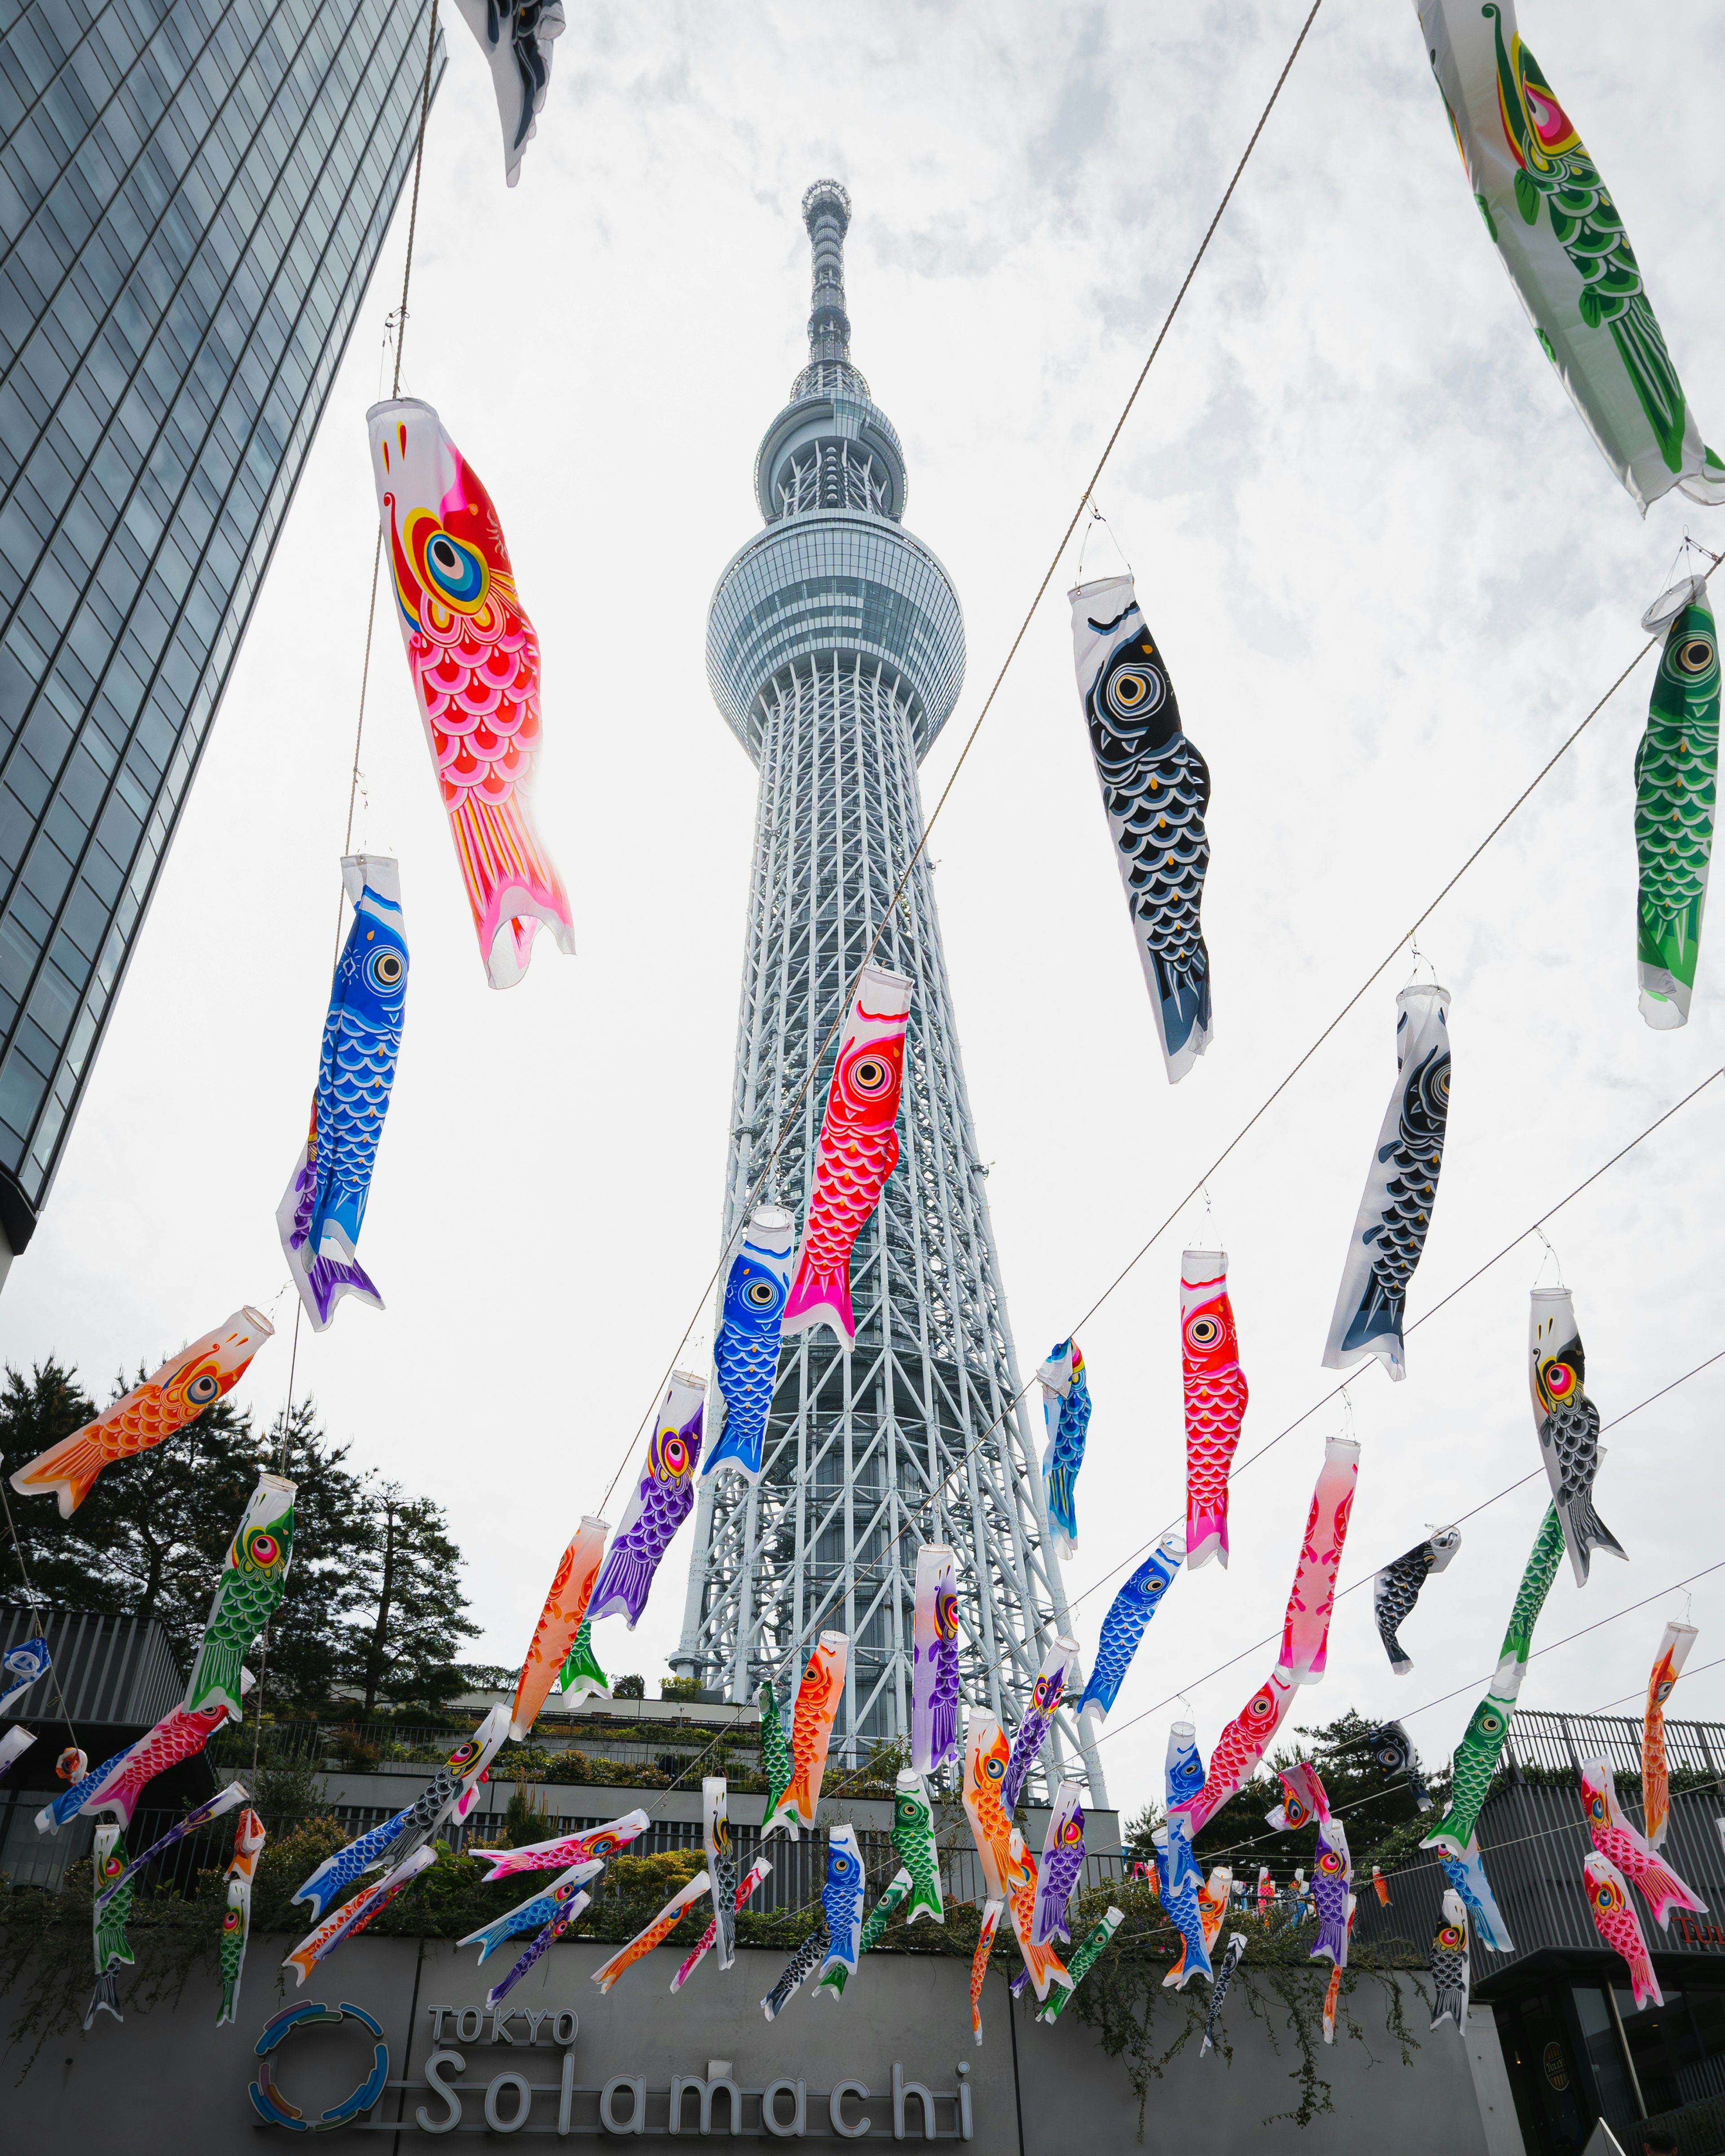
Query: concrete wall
x=170 y=2081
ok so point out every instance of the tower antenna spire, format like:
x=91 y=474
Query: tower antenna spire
x=826 y=212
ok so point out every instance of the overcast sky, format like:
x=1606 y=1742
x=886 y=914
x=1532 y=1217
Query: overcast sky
x=1389 y=572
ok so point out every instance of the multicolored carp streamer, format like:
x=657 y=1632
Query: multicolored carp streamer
x=857 y=1151
x=654 y=1934
x=1656 y=1782
x=817 y=1696
x=578 y=1848
x=251 y=1583
x=1183 y=1769
x=108 y=1921
x=934 y=1661
x=1267 y=1890
x=1215 y=1389
x=1129 y=1613
x=1467 y=1876
x=1062 y=1865
x=1661 y=1888
x=474 y=656
x=201 y=1815
x=721 y=1862
x=1677 y=800
x=992 y=1910
x=1085 y=1957
x=1396 y=1589
x=25 y=1664
x=1240 y=1746
x=1393 y=1750
x=532 y=1915
x=117 y=1784
x=1042 y=1964
x=897 y=1892
x=659 y=1503
x=1065 y=1414
x=1449 y=1964
x=581 y=1678
x=1046 y=1694
x=1180 y=1897
x=351 y=1919
x=1303 y=1798
x=515 y=37
x=1569 y=1426
x=1212 y=1908
x=248 y=1838
x=746 y=1351
x=1332 y=1989
x=1618 y=1926
x=802 y=1964
x=178 y=1392
x=449 y=1795
x=1232 y=1955
x=1305 y=1629
x=913 y=1839
x=986 y=1752
x=841 y=1903
x=1482 y=1741
x=558 y=1928
x=323 y=1208
x=1394 y=1216
x=1559 y=234
x=759 y=1871
x=1156 y=791
x=1380 y=1886
x=564 y=1614
x=1331 y=1890
x=776 y=1761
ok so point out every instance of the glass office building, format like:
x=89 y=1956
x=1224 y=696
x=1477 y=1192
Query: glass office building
x=191 y=200
x=835 y=650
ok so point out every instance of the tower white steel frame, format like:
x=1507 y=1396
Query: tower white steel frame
x=835 y=649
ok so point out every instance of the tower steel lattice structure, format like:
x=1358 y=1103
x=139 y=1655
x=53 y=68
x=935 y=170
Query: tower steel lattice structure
x=835 y=650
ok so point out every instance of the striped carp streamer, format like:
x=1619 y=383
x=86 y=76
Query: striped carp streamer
x=1066 y=1410
x=858 y=1150
x=323 y=1208
x=564 y=1614
x=1156 y=793
x=1215 y=1391
x=1394 y=1216
x=934 y=1665
x=1677 y=801
x=1656 y=1782
x=1482 y=1741
x=1558 y=232
x=1305 y=1629
x=746 y=1349
x=177 y=1394
x=474 y=656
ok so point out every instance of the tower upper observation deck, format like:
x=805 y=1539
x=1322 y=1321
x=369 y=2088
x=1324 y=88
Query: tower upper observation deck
x=835 y=572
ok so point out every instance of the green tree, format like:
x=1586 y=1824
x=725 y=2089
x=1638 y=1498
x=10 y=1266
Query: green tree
x=410 y=1613
x=150 y=1538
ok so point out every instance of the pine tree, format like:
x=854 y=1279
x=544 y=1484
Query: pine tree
x=404 y=1645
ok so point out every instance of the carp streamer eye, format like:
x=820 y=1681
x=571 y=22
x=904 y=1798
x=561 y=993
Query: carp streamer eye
x=673 y=1454
x=462 y=1753
x=1134 y=692
x=1696 y=655
x=203 y=1388
x=870 y=1075
x=1558 y=1378
x=1204 y=1332
x=995 y=1768
x=263 y=1549
x=761 y=1293
x=1259 y=1707
x=386 y=969
x=811 y=1675
x=459 y=573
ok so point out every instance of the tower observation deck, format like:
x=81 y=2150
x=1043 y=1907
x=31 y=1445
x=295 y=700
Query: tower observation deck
x=835 y=650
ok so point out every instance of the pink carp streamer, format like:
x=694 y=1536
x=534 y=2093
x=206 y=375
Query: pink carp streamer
x=1305 y=1629
x=1215 y=1390
x=1240 y=1748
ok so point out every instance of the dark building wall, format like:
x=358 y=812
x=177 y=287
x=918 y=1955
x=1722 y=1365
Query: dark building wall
x=192 y=199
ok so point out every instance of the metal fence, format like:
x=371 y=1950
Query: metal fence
x=115 y=1669
x=1557 y=1744
x=332 y=1746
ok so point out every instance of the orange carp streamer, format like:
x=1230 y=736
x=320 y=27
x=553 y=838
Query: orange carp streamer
x=559 y=1621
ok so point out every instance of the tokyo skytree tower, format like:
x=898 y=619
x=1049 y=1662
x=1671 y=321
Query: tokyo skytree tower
x=835 y=650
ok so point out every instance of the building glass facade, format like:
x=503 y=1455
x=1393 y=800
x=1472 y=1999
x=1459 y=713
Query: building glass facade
x=191 y=200
x=835 y=650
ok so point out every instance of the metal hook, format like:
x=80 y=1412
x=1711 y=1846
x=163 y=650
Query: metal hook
x=1551 y=1253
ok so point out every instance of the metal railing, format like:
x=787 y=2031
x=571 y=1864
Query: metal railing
x=1563 y=1743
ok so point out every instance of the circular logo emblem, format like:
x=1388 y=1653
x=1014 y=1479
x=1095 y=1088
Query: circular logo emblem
x=274 y=2108
x=1556 y=2071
